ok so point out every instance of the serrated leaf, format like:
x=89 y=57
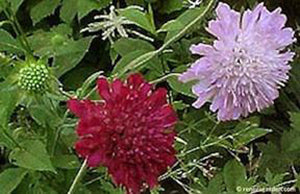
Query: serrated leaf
x=81 y=7
x=273 y=158
x=234 y=174
x=43 y=9
x=9 y=44
x=10 y=179
x=33 y=155
x=216 y=185
x=274 y=180
x=137 y=16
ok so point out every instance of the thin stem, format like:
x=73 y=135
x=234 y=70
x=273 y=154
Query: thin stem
x=211 y=133
x=58 y=132
x=18 y=30
x=78 y=177
x=11 y=138
x=91 y=92
x=164 y=78
x=23 y=36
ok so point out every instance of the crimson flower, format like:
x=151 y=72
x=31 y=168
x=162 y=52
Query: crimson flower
x=131 y=131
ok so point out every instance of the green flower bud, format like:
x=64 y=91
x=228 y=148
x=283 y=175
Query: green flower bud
x=34 y=78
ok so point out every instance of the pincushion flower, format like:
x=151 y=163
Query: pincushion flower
x=247 y=64
x=131 y=131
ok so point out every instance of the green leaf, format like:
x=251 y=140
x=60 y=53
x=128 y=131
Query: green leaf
x=81 y=7
x=182 y=88
x=234 y=174
x=185 y=21
x=10 y=179
x=179 y=105
x=216 y=185
x=122 y=64
x=248 y=135
x=42 y=110
x=290 y=140
x=9 y=44
x=66 y=162
x=124 y=46
x=137 y=16
x=68 y=56
x=135 y=2
x=43 y=9
x=4 y=139
x=169 y=6
x=273 y=158
x=67 y=52
x=32 y=155
x=298 y=182
x=274 y=180
x=295 y=119
x=141 y=60
x=9 y=97
x=15 y=4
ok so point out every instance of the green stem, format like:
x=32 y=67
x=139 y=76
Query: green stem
x=18 y=30
x=8 y=136
x=78 y=177
x=58 y=132
x=23 y=36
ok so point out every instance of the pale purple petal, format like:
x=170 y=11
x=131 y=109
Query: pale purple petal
x=247 y=64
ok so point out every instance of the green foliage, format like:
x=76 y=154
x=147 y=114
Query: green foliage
x=8 y=43
x=43 y=47
x=71 y=8
x=32 y=155
x=10 y=178
x=43 y=9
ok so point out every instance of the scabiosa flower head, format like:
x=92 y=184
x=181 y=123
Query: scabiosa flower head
x=247 y=64
x=131 y=131
x=34 y=77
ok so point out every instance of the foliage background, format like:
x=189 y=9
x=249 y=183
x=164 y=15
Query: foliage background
x=37 y=132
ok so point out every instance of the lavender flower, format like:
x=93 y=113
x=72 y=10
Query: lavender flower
x=247 y=64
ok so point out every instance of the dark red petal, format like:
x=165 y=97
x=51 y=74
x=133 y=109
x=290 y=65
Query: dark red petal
x=145 y=89
x=135 y=80
x=131 y=132
x=158 y=98
x=94 y=159
x=103 y=88
x=85 y=147
x=76 y=106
